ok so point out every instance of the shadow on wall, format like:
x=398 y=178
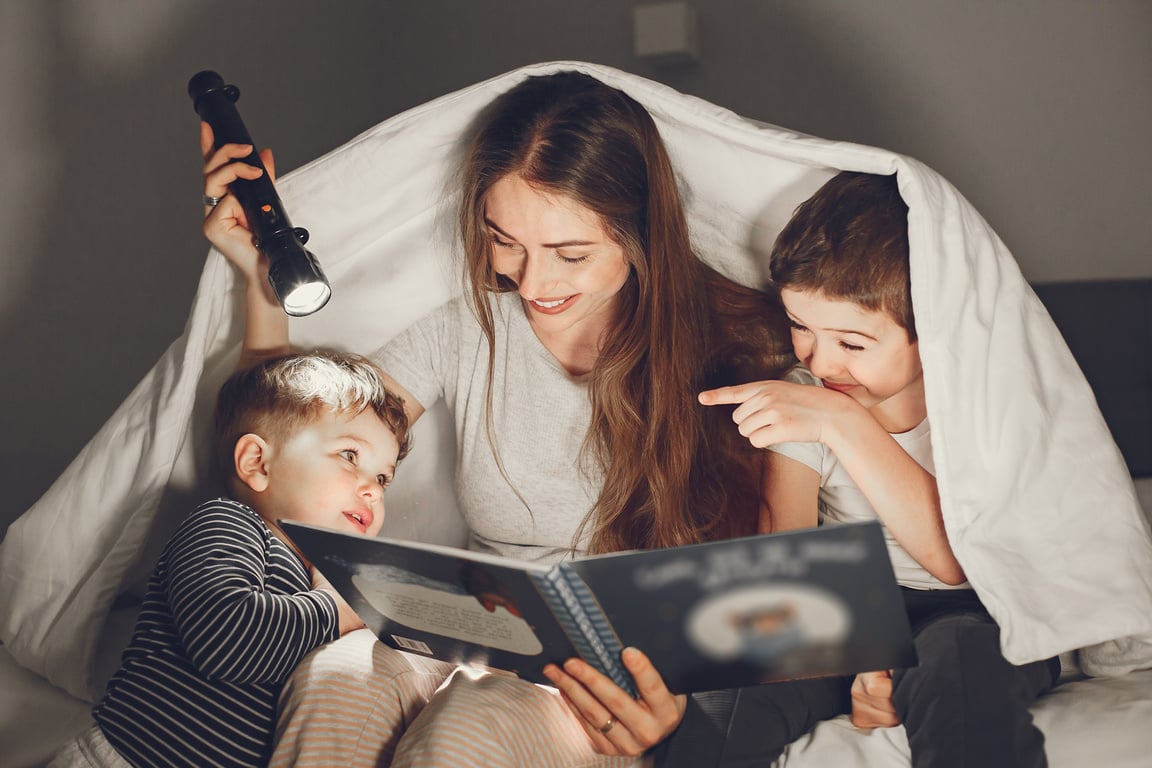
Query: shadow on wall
x=107 y=249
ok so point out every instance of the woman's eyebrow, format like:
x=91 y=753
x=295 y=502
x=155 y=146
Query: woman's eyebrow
x=495 y=226
x=569 y=244
x=562 y=244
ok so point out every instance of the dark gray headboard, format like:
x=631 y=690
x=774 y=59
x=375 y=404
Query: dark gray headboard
x=1108 y=327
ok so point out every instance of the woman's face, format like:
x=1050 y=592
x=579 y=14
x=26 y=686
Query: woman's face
x=557 y=252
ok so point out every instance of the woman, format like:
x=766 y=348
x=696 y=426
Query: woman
x=571 y=366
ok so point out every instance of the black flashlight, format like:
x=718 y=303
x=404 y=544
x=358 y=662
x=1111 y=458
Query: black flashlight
x=295 y=274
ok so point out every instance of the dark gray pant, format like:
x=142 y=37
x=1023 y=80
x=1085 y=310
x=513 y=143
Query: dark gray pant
x=964 y=705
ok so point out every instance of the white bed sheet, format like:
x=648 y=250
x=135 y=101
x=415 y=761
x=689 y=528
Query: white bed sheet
x=1103 y=722
x=35 y=716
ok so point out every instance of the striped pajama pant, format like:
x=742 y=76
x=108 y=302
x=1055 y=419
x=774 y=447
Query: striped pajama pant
x=356 y=702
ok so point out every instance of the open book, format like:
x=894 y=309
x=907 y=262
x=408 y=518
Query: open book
x=723 y=614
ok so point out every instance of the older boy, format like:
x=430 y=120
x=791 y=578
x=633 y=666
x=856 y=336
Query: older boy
x=232 y=606
x=849 y=441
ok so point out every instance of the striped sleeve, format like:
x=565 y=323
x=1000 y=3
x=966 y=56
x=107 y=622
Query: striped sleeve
x=231 y=625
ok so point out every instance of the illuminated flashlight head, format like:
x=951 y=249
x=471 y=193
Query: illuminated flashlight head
x=296 y=277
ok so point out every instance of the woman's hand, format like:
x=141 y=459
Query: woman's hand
x=616 y=723
x=226 y=225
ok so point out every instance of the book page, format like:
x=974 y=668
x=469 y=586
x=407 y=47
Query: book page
x=441 y=609
x=450 y=604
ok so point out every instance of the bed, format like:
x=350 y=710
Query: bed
x=1035 y=456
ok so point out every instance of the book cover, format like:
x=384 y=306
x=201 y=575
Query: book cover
x=822 y=601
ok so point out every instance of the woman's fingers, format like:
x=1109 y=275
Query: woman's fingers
x=206 y=139
x=665 y=707
x=225 y=223
x=269 y=163
x=223 y=168
x=215 y=158
x=218 y=156
x=605 y=735
x=615 y=722
x=605 y=729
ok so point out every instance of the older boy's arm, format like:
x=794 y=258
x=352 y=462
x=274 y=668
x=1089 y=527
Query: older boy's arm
x=789 y=494
x=902 y=492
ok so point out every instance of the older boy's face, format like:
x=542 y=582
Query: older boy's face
x=863 y=354
x=333 y=473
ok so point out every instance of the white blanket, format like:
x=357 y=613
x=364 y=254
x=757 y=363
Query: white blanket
x=1036 y=498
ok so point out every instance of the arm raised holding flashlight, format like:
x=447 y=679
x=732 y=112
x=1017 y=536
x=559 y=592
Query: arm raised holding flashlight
x=297 y=280
x=226 y=227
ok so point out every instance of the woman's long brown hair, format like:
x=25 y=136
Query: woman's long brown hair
x=675 y=472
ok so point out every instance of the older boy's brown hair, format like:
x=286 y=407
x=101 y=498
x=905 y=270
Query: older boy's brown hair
x=849 y=241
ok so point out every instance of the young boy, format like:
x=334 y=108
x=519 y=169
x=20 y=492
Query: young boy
x=232 y=606
x=849 y=440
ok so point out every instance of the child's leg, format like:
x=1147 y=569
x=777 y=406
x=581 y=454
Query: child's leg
x=348 y=702
x=759 y=723
x=965 y=704
x=498 y=720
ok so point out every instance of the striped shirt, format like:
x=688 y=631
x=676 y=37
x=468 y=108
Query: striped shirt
x=229 y=612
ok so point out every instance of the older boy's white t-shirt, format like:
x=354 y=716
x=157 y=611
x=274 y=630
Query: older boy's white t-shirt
x=841 y=500
x=540 y=415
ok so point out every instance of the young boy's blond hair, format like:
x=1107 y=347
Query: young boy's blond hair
x=276 y=397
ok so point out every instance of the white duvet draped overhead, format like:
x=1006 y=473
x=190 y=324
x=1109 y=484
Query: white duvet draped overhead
x=1036 y=497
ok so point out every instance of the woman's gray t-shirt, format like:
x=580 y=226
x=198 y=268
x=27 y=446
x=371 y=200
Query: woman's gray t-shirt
x=540 y=416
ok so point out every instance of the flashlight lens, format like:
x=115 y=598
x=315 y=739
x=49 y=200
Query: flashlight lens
x=306 y=298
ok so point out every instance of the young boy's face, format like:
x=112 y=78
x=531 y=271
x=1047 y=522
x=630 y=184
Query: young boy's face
x=863 y=354
x=332 y=473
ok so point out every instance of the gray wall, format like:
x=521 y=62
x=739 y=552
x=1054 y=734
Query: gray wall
x=1037 y=110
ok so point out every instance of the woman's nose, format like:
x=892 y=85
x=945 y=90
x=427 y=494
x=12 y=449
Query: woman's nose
x=536 y=276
